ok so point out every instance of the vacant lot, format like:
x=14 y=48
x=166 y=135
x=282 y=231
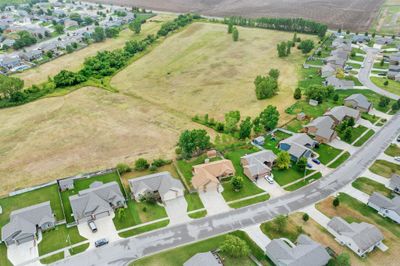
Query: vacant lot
x=388 y=19
x=356 y=15
x=201 y=70
x=75 y=60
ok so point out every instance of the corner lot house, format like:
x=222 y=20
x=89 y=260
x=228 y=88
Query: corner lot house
x=385 y=206
x=394 y=183
x=207 y=176
x=162 y=184
x=100 y=200
x=361 y=238
x=306 y=252
x=298 y=145
x=358 y=102
x=258 y=164
x=204 y=259
x=323 y=128
x=25 y=223
x=339 y=83
x=340 y=113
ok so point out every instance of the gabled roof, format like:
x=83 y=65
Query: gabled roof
x=385 y=203
x=162 y=182
x=394 y=181
x=256 y=161
x=360 y=99
x=203 y=259
x=324 y=125
x=339 y=83
x=298 y=143
x=363 y=234
x=340 y=112
x=208 y=172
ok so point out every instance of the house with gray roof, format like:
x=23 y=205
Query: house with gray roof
x=360 y=39
x=322 y=128
x=8 y=43
x=25 y=223
x=306 y=252
x=10 y=62
x=99 y=200
x=384 y=40
x=359 y=102
x=32 y=55
x=340 y=53
x=394 y=59
x=361 y=238
x=258 y=164
x=386 y=207
x=340 y=113
x=335 y=61
x=298 y=146
x=339 y=83
x=328 y=70
x=204 y=259
x=393 y=71
x=162 y=184
x=394 y=183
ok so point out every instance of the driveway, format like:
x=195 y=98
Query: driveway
x=257 y=236
x=355 y=193
x=339 y=144
x=380 y=114
x=18 y=254
x=177 y=211
x=105 y=229
x=380 y=179
x=213 y=202
x=316 y=215
x=274 y=190
x=388 y=158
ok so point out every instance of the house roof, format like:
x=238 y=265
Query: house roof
x=394 y=181
x=383 y=202
x=363 y=234
x=306 y=252
x=298 y=144
x=202 y=259
x=24 y=221
x=208 y=172
x=256 y=161
x=162 y=182
x=340 y=112
x=360 y=99
x=341 y=83
x=324 y=125
x=96 y=199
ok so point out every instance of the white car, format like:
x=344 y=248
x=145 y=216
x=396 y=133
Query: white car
x=269 y=178
x=397 y=158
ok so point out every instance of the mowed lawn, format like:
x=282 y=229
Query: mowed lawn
x=201 y=70
x=75 y=60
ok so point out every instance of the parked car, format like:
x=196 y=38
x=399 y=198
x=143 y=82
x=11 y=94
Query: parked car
x=101 y=242
x=382 y=74
x=397 y=158
x=398 y=138
x=309 y=165
x=92 y=226
x=269 y=178
x=315 y=160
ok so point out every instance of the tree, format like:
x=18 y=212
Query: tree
x=297 y=94
x=25 y=39
x=340 y=73
x=281 y=48
x=149 y=197
x=231 y=120
x=383 y=101
x=351 y=122
x=230 y=27
x=123 y=168
x=245 y=128
x=266 y=87
x=319 y=93
x=69 y=49
x=257 y=127
x=336 y=202
x=373 y=34
x=76 y=17
x=343 y=259
x=235 y=246
x=121 y=214
x=302 y=163
x=10 y=86
x=274 y=73
x=336 y=97
x=237 y=183
x=280 y=223
x=386 y=83
x=306 y=217
x=193 y=141
x=68 y=78
x=348 y=133
x=59 y=28
x=382 y=62
x=294 y=37
x=269 y=117
x=98 y=34
x=136 y=26
x=235 y=34
x=141 y=164
x=306 y=46
x=111 y=32
x=283 y=160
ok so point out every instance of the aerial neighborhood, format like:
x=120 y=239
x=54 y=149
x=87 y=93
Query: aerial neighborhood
x=136 y=137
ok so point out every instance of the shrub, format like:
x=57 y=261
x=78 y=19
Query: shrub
x=297 y=94
x=306 y=217
x=123 y=168
x=336 y=202
x=235 y=246
x=141 y=164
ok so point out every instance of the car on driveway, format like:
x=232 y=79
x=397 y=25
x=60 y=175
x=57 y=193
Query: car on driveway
x=101 y=242
x=315 y=160
x=309 y=166
x=398 y=139
x=269 y=178
x=92 y=226
x=397 y=158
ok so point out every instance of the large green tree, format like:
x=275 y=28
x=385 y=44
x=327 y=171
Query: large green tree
x=283 y=160
x=269 y=118
x=266 y=87
x=193 y=141
x=231 y=120
x=306 y=46
x=235 y=246
x=245 y=128
x=10 y=86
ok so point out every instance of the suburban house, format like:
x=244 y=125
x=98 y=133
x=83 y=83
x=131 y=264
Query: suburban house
x=339 y=83
x=358 y=102
x=361 y=238
x=10 y=61
x=336 y=61
x=394 y=59
x=306 y=252
x=322 y=128
x=385 y=206
x=394 y=183
x=393 y=72
x=204 y=259
x=299 y=145
x=207 y=176
x=162 y=184
x=25 y=223
x=360 y=39
x=99 y=200
x=258 y=164
x=328 y=70
x=31 y=55
x=340 y=113
x=384 y=40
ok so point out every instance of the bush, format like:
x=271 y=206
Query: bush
x=149 y=197
x=153 y=168
x=141 y=164
x=297 y=94
x=123 y=168
x=237 y=183
x=67 y=78
x=336 y=202
x=306 y=217
x=160 y=162
x=235 y=246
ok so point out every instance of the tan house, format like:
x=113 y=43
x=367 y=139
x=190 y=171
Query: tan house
x=358 y=102
x=208 y=176
x=340 y=113
x=322 y=128
x=257 y=165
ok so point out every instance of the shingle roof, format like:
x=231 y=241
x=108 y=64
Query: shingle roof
x=203 y=259
x=298 y=144
x=384 y=202
x=394 y=182
x=324 y=125
x=360 y=99
x=256 y=161
x=208 y=172
x=340 y=112
x=340 y=83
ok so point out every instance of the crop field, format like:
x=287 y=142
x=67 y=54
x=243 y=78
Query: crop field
x=201 y=70
x=388 y=19
x=356 y=15
x=75 y=60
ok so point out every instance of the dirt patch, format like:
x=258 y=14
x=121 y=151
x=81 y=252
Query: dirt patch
x=356 y=15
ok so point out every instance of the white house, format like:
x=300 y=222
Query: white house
x=386 y=207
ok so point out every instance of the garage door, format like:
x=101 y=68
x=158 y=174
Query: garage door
x=25 y=239
x=102 y=214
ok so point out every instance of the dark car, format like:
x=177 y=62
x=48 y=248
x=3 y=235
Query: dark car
x=398 y=139
x=101 y=242
x=315 y=160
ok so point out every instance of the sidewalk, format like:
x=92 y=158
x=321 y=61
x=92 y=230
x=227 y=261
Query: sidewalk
x=316 y=215
x=257 y=236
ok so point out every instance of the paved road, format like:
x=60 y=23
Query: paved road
x=363 y=75
x=126 y=250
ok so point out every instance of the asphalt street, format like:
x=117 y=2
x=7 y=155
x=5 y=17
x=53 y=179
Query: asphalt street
x=124 y=251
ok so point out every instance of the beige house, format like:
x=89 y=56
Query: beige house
x=257 y=165
x=322 y=128
x=207 y=176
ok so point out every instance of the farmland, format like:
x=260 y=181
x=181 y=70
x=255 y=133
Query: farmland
x=387 y=21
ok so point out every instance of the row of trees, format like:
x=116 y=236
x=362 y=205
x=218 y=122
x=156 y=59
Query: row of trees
x=234 y=31
x=267 y=86
x=180 y=21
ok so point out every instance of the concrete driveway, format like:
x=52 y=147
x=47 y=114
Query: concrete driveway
x=339 y=144
x=105 y=229
x=274 y=190
x=257 y=236
x=355 y=193
x=18 y=254
x=213 y=202
x=177 y=211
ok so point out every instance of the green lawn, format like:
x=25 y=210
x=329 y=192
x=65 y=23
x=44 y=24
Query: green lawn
x=58 y=238
x=393 y=150
x=3 y=256
x=52 y=258
x=144 y=229
x=194 y=201
x=393 y=86
x=385 y=168
x=295 y=125
x=290 y=232
x=354 y=65
x=310 y=76
x=284 y=177
x=327 y=153
x=197 y=215
x=378 y=65
x=315 y=62
x=369 y=186
x=357 y=58
x=78 y=249
x=358 y=51
x=248 y=202
x=249 y=189
x=179 y=255
x=306 y=181
x=372 y=118
x=49 y=193
x=364 y=138
x=354 y=79
x=340 y=160
x=356 y=132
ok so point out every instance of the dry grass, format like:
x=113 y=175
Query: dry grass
x=201 y=70
x=75 y=60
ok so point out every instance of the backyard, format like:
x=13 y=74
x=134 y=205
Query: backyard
x=385 y=168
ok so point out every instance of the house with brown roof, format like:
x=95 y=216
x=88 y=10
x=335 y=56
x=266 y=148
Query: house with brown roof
x=208 y=176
